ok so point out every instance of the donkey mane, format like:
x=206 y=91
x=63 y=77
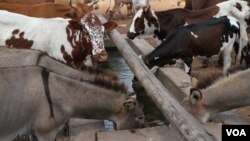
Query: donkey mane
x=208 y=79
x=211 y=78
x=106 y=79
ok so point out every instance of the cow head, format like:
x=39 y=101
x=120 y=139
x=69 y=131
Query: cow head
x=144 y=22
x=161 y=55
x=80 y=10
x=95 y=29
x=87 y=39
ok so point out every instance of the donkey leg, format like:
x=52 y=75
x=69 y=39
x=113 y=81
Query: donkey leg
x=51 y=136
x=46 y=128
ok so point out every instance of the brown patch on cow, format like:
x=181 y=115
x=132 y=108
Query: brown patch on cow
x=20 y=41
x=110 y=25
x=198 y=15
x=66 y=56
x=81 y=45
x=149 y=16
x=238 y=6
x=15 y=31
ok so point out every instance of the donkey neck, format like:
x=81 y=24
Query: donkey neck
x=98 y=103
x=84 y=100
x=228 y=93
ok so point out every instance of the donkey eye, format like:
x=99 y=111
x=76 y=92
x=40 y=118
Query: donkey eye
x=141 y=118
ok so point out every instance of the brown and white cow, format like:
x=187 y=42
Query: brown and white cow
x=201 y=4
x=206 y=38
x=47 y=10
x=148 y=22
x=224 y=94
x=66 y=40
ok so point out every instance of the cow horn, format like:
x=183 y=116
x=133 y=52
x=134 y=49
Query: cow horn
x=92 y=3
x=71 y=4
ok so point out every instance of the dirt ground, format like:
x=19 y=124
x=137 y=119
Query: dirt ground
x=157 y=5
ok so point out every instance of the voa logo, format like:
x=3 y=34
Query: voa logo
x=236 y=132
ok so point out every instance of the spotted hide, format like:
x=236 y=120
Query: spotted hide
x=206 y=38
x=66 y=40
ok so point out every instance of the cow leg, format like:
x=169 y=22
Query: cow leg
x=188 y=65
x=243 y=45
x=205 y=62
x=227 y=50
x=243 y=41
x=220 y=60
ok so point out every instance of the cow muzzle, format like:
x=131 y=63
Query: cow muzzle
x=101 y=57
x=132 y=35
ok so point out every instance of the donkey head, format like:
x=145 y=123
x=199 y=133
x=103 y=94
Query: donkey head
x=194 y=105
x=129 y=116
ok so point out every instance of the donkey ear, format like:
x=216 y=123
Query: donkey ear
x=129 y=104
x=132 y=95
x=110 y=25
x=194 y=82
x=195 y=96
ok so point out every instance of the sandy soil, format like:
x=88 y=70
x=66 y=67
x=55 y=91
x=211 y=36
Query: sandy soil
x=158 y=5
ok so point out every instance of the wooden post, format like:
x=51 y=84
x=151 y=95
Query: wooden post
x=187 y=125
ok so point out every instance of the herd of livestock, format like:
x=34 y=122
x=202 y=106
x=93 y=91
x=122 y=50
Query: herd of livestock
x=202 y=28
x=50 y=50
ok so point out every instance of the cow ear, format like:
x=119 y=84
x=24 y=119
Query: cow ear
x=129 y=104
x=110 y=25
x=75 y=24
x=195 y=96
x=147 y=9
